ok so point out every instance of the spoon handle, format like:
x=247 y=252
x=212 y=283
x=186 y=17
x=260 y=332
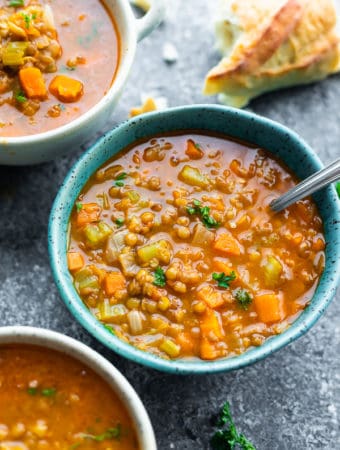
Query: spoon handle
x=308 y=186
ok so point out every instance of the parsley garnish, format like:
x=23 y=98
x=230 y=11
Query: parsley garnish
x=20 y=97
x=198 y=146
x=224 y=280
x=109 y=328
x=16 y=3
x=204 y=213
x=27 y=20
x=48 y=392
x=110 y=433
x=337 y=186
x=79 y=206
x=159 y=277
x=119 y=222
x=243 y=298
x=228 y=438
x=32 y=391
x=119 y=179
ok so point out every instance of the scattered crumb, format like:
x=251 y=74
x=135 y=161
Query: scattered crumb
x=170 y=53
x=149 y=104
x=142 y=4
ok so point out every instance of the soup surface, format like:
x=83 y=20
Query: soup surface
x=51 y=401
x=173 y=246
x=57 y=60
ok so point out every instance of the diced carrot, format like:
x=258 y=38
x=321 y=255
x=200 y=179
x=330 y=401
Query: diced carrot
x=210 y=323
x=217 y=203
x=33 y=83
x=268 y=308
x=66 y=89
x=210 y=296
x=75 y=261
x=193 y=150
x=186 y=343
x=89 y=212
x=226 y=243
x=221 y=266
x=114 y=281
x=208 y=349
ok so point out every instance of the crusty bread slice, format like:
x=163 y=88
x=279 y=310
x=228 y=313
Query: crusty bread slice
x=271 y=44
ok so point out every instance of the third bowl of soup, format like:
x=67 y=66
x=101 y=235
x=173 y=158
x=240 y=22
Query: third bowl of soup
x=62 y=67
x=163 y=244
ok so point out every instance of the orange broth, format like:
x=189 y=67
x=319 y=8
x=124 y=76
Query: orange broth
x=51 y=401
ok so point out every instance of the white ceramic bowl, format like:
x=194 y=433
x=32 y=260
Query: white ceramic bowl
x=46 y=146
x=119 y=384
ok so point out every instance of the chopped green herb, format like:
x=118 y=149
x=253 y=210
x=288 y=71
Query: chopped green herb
x=159 y=277
x=198 y=146
x=119 y=222
x=119 y=179
x=110 y=433
x=109 y=328
x=243 y=298
x=16 y=3
x=204 y=213
x=79 y=206
x=27 y=20
x=228 y=438
x=70 y=68
x=224 y=280
x=32 y=391
x=338 y=188
x=48 y=392
x=74 y=446
x=20 y=97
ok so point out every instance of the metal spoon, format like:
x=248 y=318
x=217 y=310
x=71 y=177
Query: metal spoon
x=308 y=186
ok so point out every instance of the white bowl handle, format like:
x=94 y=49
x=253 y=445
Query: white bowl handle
x=151 y=19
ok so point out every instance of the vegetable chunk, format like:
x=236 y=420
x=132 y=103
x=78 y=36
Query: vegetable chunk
x=75 y=261
x=114 y=282
x=268 y=308
x=66 y=89
x=227 y=244
x=33 y=83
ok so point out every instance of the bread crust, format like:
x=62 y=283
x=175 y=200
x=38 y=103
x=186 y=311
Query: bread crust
x=296 y=45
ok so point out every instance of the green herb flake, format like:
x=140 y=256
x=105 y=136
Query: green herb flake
x=27 y=20
x=204 y=214
x=223 y=280
x=48 y=392
x=16 y=3
x=74 y=446
x=198 y=146
x=337 y=186
x=79 y=206
x=32 y=391
x=159 y=277
x=119 y=222
x=109 y=328
x=243 y=298
x=119 y=179
x=20 y=97
x=228 y=438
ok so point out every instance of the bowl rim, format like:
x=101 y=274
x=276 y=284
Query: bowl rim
x=56 y=241
x=127 y=54
x=48 y=339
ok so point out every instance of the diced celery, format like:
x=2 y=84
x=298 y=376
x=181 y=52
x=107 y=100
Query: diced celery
x=193 y=176
x=13 y=53
x=133 y=196
x=86 y=281
x=97 y=233
x=272 y=272
x=111 y=313
x=160 y=250
x=89 y=282
x=170 y=348
x=128 y=263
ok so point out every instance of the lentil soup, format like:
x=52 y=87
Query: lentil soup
x=174 y=248
x=51 y=401
x=58 y=58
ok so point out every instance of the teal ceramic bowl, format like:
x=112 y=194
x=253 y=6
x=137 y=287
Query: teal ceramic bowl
x=232 y=122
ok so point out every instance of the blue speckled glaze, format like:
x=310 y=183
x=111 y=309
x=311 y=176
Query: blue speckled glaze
x=248 y=127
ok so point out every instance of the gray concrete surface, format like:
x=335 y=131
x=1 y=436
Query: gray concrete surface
x=291 y=400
